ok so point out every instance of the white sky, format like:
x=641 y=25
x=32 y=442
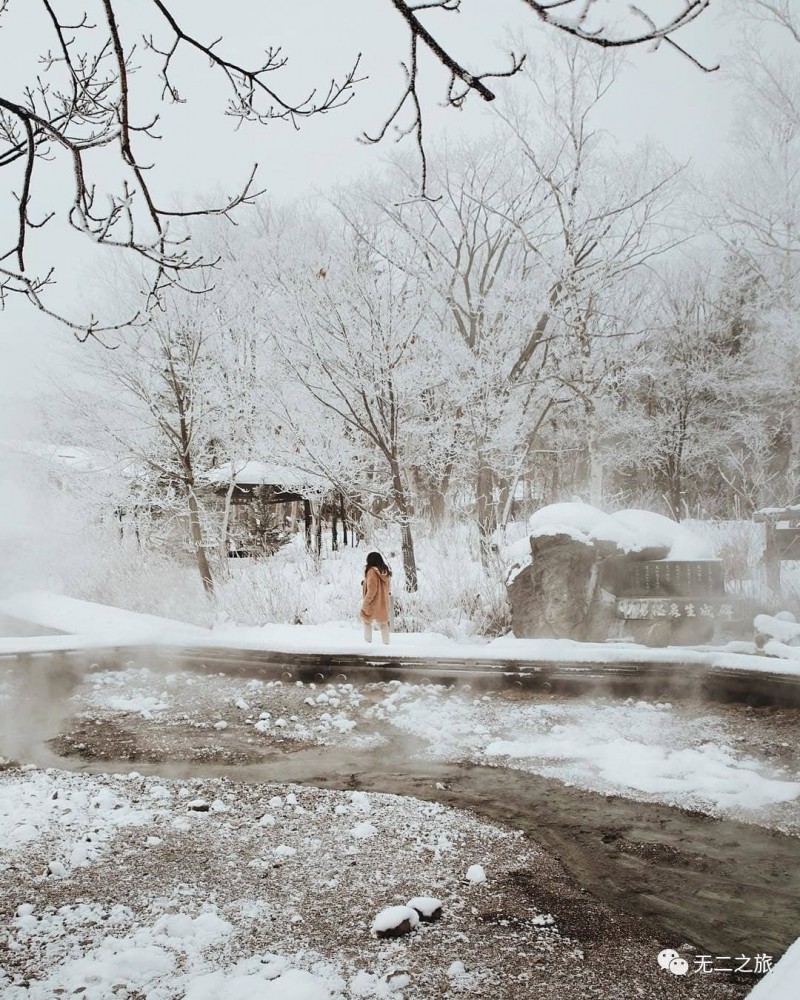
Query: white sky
x=661 y=95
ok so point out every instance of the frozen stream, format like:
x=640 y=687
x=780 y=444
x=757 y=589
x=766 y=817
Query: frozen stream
x=686 y=814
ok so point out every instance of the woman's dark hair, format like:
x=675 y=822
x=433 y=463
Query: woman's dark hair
x=375 y=559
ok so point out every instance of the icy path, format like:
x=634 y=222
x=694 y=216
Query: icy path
x=90 y=626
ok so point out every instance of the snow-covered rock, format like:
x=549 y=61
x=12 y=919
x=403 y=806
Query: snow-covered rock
x=360 y=802
x=625 y=532
x=397 y=980
x=782 y=631
x=584 y=523
x=395 y=921
x=429 y=908
x=24 y=833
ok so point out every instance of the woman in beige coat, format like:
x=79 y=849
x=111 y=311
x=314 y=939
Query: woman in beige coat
x=375 y=596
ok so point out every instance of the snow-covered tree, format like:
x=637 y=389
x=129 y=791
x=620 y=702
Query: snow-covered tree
x=350 y=331
x=486 y=292
x=608 y=212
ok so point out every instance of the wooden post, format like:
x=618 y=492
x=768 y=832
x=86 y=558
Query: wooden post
x=307 y=521
x=772 y=557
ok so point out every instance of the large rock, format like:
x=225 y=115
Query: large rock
x=552 y=597
x=566 y=577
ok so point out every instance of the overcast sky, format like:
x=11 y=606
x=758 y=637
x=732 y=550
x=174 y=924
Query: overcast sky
x=661 y=95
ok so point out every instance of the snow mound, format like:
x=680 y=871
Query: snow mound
x=362 y=831
x=584 y=523
x=785 y=632
x=294 y=984
x=205 y=929
x=476 y=874
x=656 y=531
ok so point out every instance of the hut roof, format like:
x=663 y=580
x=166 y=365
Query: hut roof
x=255 y=473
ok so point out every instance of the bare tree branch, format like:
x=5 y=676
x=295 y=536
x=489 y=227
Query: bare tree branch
x=81 y=104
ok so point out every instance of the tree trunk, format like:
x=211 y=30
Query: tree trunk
x=484 y=507
x=201 y=555
x=438 y=507
x=343 y=515
x=226 y=520
x=675 y=491
x=772 y=558
x=595 y=463
x=318 y=530
x=794 y=441
x=409 y=558
x=406 y=537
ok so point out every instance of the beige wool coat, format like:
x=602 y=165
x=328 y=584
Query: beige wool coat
x=375 y=596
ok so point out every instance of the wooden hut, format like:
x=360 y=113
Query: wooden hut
x=266 y=503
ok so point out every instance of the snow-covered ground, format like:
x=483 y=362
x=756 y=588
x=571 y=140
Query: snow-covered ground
x=133 y=886
x=129 y=887
x=92 y=626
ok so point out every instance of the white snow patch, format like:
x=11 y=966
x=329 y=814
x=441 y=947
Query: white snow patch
x=362 y=831
x=781 y=983
x=476 y=874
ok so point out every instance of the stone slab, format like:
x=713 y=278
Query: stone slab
x=664 y=578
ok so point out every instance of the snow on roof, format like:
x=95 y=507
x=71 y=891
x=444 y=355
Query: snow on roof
x=776 y=513
x=255 y=473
